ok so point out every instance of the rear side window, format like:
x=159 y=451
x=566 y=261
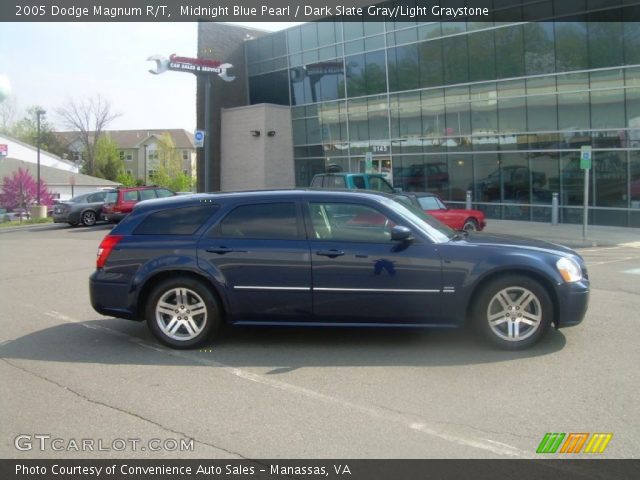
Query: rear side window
x=264 y=220
x=177 y=221
x=130 y=196
x=335 y=182
x=96 y=197
x=429 y=203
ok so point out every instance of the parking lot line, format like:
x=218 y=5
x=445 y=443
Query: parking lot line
x=409 y=421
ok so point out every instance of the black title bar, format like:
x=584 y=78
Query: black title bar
x=310 y=10
x=533 y=469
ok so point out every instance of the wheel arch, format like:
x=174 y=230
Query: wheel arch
x=158 y=277
x=543 y=280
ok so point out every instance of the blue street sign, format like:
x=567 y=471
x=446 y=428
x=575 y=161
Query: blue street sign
x=198 y=137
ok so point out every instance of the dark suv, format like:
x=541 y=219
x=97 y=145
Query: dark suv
x=121 y=201
x=188 y=264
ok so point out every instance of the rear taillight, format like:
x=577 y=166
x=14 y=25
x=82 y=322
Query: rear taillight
x=106 y=246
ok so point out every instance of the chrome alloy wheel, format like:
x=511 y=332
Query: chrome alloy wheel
x=514 y=314
x=181 y=314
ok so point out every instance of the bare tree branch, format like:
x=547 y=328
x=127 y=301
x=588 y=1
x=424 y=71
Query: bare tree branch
x=88 y=118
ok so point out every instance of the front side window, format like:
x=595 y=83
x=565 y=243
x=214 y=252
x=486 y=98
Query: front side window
x=264 y=221
x=346 y=222
x=380 y=185
x=163 y=192
x=429 y=203
x=147 y=194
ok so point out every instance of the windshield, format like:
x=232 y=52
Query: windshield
x=78 y=199
x=432 y=227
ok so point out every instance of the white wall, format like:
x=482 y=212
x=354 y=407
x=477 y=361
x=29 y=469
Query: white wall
x=27 y=153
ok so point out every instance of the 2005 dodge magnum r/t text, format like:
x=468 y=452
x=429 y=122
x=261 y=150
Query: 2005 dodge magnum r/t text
x=189 y=264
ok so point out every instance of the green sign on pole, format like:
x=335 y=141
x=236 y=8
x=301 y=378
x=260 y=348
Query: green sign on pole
x=585 y=157
x=368 y=162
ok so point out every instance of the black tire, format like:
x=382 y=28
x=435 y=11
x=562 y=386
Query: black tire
x=88 y=218
x=470 y=225
x=183 y=338
x=73 y=224
x=524 y=299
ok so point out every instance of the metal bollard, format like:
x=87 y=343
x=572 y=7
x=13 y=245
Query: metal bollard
x=468 y=200
x=554 y=208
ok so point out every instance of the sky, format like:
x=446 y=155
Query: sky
x=49 y=63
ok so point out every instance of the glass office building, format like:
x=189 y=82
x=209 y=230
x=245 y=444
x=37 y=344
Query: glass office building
x=499 y=108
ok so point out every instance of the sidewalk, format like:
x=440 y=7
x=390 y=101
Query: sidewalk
x=566 y=234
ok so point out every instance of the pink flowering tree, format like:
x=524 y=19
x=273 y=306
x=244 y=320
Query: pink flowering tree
x=19 y=190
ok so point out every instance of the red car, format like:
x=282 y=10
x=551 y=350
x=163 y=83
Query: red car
x=458 y=219
x=120 y=202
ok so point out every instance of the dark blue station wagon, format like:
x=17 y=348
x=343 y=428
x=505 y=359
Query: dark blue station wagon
x=189 y=264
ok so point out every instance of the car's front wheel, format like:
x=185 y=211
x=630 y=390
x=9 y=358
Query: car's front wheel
x=182 y=312
x=89 y=218
x=470 y=225
x=513 y=312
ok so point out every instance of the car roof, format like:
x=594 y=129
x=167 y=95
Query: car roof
x=346 y=174
x=259 y=195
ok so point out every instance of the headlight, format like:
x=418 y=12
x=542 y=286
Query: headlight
x=569 y=270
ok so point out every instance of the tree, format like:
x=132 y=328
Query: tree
x=126 y=179
x=19 y=190
x=169 y=171
x=26 y=130
x=108 y=163
x=88 y=118
x=8 y=110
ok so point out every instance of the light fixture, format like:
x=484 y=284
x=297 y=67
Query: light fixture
x=271 y=133
x=255 y=133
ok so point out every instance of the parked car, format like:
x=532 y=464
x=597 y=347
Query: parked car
x=83 y=209
x=352 y=181
x=121 y=201
x=188 y=264
x=456 y=218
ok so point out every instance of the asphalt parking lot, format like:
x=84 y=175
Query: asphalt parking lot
x=70 y=373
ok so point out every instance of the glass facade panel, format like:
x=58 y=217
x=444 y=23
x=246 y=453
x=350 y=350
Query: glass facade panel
x=456 y=61
x=431 y=63
x=571 y=46
x=482 y=56
x=499 y=108
x=509 y=51
x=610 y=176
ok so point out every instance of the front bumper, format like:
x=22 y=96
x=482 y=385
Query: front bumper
x=573 y=301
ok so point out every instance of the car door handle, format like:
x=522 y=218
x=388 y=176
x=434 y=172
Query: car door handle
x=330 y=253
x=222 y=250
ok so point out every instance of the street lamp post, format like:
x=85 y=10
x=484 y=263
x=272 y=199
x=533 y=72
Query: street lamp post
x=39 y=113
x=145 y=163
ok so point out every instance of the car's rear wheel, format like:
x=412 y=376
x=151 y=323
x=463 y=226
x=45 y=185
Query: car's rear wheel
x=88 y=218
x=182 y=312
x=513 y=312
x=470 y=225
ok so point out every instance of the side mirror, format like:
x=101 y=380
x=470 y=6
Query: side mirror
x=401 y=234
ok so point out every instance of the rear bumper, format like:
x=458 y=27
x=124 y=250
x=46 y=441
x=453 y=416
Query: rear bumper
x=573 y=301
x=66 y=217
x=110 y=298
